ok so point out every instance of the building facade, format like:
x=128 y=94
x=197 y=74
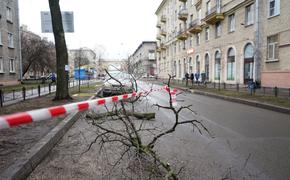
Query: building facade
x=231 y=41
x=144 y=59
x=84 y=57
x=10 y=55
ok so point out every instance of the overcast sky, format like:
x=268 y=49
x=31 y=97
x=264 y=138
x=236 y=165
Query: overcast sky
x=119 y=25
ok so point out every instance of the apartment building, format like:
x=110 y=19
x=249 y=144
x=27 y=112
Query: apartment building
x=231 y=41
x=10 y=56
x=144 y=59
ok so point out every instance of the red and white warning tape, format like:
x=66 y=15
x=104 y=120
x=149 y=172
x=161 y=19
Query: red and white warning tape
x=8 y=121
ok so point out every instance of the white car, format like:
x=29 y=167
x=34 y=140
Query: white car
x=121 y=83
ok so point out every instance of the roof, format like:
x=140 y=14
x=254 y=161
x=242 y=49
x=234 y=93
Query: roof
x=160 y=6
x=144 y=42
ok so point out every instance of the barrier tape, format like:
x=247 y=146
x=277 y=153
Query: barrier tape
x=8 y=121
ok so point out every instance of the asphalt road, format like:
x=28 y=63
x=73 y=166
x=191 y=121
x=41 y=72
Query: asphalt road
x=248 y=143
x=246 y=136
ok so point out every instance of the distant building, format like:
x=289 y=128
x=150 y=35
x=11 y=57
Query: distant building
x=229 y=41
x=10 y=55
x=144 y=59
x=109 y=64
x=87 y=58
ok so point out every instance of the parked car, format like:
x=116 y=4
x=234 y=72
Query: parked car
x=123 y=84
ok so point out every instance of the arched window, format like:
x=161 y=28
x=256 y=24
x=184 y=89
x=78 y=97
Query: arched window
x=190 y=65
x=174 y=68
x=197 y=60
x=179 y=69
x=206 y=66
x=217 y=65
x=248 y=63
x=231 y=64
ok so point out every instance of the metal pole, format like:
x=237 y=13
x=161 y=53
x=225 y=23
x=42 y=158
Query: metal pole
x=38 y=90
x=24 y=92
x=1 y=98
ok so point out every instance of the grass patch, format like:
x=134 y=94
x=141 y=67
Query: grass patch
x=283 y=102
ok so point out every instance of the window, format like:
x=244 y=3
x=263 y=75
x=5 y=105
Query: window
x=218 y=29
x=274 y=8
x=1 y=65
x=248 y=63
x=0 y=38
x=206 y=33
x=273 y=50
x=208 y=8
x=10 y=40
x=9 y=14
x=11 y=65
x=197 y=64
x=231 y=65
x=250 y=14
x=232 y=23
x=206 y=66
x=217 y=65
x=198 y=39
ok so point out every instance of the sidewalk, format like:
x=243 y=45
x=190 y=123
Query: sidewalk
x=22 y=147
x=243 y=98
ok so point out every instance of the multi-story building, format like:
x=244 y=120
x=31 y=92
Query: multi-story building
x=144 y=60
x=10 y=55
x=231 y=41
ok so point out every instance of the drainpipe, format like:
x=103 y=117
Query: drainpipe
x=258 y=42
x=19 y=40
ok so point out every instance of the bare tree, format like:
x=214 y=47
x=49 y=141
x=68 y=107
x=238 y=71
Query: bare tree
x=129 y=135
x=62 y=91
x=38 y=54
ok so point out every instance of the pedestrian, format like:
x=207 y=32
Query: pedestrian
x=192 y=78
x=186 y=78
x=197 y=77
x=53 y=78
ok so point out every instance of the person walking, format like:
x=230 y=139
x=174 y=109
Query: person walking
x=186 y=78
x=197 y=77
x=192 y=78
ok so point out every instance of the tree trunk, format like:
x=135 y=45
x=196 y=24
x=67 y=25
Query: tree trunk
x=62 y=91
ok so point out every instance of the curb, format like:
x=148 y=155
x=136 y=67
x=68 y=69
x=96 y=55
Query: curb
x=241 y=101
x=24 y=166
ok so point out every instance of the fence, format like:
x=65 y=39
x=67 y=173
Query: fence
x=240 y=88
x=28 y=93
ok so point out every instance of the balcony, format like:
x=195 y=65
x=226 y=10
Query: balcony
x=158 y=25
x=162 y=46
x=158 y=37
x=198 y=3
x=214 y=15
x=182 y=15
x=195 y=26
x=158 y=49
x=182 y=35
x=163 y=18
x=163 y=33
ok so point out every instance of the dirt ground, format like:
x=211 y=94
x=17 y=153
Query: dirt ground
x=14 y=142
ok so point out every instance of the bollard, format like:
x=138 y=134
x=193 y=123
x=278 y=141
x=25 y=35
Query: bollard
x=13 y=94
x=49 y=88
x=238 y=87
x=264 y=91
x=23 y=93
x=1 y=98
x=38 y=90
x=276 y=91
